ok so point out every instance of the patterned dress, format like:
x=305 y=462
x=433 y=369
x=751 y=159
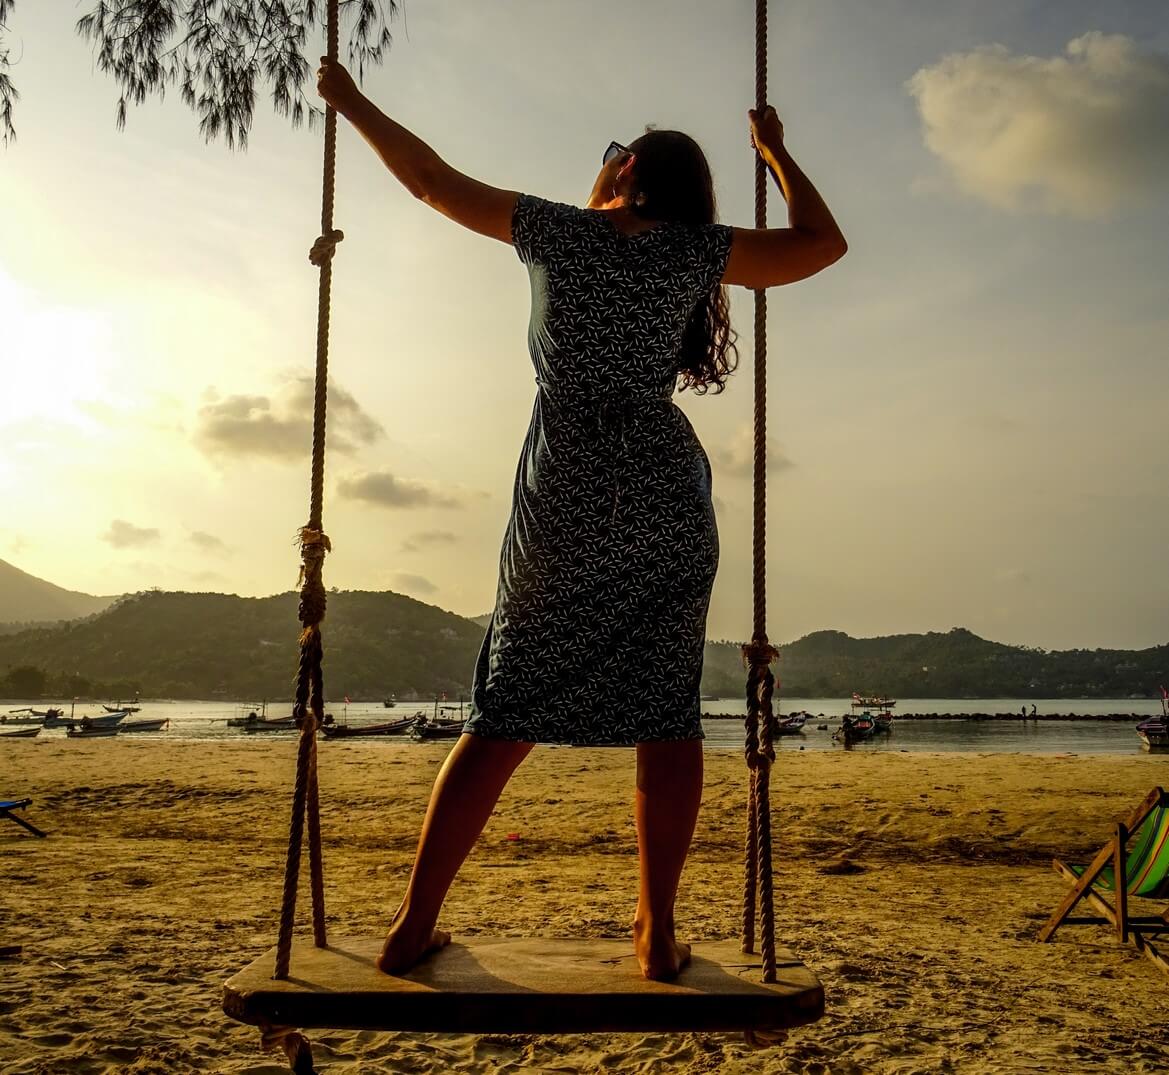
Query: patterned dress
x=611 y=548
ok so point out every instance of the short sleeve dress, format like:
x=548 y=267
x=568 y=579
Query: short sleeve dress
x=611 y=548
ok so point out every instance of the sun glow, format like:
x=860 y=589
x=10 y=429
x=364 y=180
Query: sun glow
x=57 y=359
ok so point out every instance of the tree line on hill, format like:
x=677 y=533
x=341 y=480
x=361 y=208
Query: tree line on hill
x=188 y=645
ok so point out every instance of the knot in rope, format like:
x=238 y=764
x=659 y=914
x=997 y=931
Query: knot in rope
x=314 y=544
x=325 y=247
x=759 y=652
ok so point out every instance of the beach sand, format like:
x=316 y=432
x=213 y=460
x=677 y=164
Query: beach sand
x=162 y=874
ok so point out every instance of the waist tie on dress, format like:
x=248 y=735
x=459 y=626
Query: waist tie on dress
x=611 y=412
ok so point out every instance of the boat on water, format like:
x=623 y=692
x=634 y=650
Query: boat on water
x=102 y=720
x=792 y=724
x=861 y=723
x=248 y=714
x=446 y=723
x=1154 y=732
x=20 y=716
x=270 y=724
x=429 y=729
x=93 y=731
x=390 y=702
x=331 y=730
x=122 y=708
x=22 y=733
x=144 y=725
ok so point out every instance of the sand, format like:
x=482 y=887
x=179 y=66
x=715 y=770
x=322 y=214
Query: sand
x=162 y=874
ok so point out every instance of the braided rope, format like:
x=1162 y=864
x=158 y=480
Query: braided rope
x=309 y=704
x=759 y=750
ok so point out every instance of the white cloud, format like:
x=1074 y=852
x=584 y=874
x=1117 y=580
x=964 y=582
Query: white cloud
x=1082 y=133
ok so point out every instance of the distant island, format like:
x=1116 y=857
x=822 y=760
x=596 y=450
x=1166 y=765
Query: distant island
x=198 y=645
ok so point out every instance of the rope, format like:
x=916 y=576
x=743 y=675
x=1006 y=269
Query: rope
x=309 y=705
x=759 y=750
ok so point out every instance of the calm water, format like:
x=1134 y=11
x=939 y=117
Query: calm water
x=208 y=720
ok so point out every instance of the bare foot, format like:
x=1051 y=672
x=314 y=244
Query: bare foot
x=405 y=948
x=660 y=955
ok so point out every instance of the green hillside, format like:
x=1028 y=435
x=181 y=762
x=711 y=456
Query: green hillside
x=950 y=664
x=196 y=645
x=26 y=600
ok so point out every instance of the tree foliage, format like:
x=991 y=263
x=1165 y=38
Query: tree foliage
x=219 y=53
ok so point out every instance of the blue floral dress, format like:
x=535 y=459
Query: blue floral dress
x=611 y=548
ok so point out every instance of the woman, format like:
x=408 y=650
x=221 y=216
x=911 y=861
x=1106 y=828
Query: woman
x=610 y=552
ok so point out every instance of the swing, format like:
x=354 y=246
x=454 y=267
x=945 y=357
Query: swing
x=509 y=985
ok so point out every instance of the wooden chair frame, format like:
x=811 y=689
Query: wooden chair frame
x=6 y=811
x=1114 y=854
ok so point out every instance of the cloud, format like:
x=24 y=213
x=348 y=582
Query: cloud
x=736 y=458
x=1080 y=134
x=207 y=542
x=387 y=490
x=124 y=535
x=280 y=427
x=403 y=580
x=427 y=538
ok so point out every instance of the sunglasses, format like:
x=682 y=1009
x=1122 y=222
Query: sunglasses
x=614 y=149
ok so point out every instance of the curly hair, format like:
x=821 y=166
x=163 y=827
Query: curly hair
x=672 y=182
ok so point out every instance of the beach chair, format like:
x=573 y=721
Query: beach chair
x=1141 y=870
x=7 y=806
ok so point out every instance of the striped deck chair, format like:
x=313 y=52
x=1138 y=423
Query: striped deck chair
x=1144 y=868
x=9 y=805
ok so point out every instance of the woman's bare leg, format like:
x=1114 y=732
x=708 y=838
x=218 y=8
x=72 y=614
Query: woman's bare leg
x=669 y=792
x=464 y=794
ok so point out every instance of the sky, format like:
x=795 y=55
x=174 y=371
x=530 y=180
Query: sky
x=969 y=412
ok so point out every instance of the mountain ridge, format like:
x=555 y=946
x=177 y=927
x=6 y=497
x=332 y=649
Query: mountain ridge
x=378 y=643
x=26 y=599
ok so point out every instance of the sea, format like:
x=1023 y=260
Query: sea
x=969 y=733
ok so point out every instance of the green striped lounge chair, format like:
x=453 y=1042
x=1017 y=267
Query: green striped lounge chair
x=1139 y=853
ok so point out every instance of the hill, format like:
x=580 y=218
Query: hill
x=949 y=664
x=25 y=600
x=197 y=645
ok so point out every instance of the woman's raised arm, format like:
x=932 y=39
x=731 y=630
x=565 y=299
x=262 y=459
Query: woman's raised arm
x=478 y=206
x=768 y=257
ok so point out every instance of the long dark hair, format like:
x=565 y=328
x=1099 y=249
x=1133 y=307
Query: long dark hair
x=672 y=182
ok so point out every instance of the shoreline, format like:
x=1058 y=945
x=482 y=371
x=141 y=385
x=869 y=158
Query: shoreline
x=965 y=716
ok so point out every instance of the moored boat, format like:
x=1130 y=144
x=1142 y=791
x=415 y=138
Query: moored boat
x=248 y=714
x=144 y=725
x=792 y=724
x=75 y=731
x=1154 y=732
x=369 y=731
x=271 y=724
x=122 y=708
x=22 y=733
x=430 y=729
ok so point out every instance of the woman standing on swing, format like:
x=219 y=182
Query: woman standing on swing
x=610 y=552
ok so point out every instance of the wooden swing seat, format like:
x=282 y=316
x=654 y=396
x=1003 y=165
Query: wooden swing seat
x=522 y=986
